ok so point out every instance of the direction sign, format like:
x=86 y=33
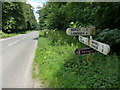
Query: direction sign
x=80 y=31
x=84 y=51
x=84 y=40
x=101 y=47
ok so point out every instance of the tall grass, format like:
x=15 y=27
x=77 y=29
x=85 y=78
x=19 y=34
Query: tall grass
x=59 y=67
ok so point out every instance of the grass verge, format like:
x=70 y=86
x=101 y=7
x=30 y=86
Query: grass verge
x=59 y=67
x=5 y=35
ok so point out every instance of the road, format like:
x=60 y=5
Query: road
x=17 y=58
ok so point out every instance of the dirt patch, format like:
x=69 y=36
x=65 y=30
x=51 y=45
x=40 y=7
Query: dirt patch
x=37 y=83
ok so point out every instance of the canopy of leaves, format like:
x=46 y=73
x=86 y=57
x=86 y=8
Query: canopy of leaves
x=99 y=14
x=17 y=17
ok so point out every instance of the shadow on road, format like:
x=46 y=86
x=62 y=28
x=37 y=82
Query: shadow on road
x=35 y=38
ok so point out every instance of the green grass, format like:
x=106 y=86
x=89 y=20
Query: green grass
x=59 y=67
x=5 y=35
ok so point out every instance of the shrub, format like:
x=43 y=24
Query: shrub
x=111 y=37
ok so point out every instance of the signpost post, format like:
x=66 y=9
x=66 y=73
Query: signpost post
x=98 y=46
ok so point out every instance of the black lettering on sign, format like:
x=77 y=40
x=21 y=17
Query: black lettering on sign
x=80 y=38
x=78 y=29
x=78 y=33
x=95 y=43
x=102 y=48
x=92 y=31
x=72 y=29
x=86 y=29
x=82 y=41
x=84 y=51
x=75 y=29
x=95 y=47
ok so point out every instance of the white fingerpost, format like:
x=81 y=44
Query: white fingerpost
x=98 y=46
x=84 y=40
x=80 y=31
x=101 y=47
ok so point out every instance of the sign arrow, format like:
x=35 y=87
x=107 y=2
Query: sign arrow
x=80 y=31
x=101 y=47
x=84 y=51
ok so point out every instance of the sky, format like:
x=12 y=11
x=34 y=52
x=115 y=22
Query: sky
x=35 y=4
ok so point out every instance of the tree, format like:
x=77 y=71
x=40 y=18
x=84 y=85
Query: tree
x=99 y=14
x=17 y=17
x=52 y=17
x=29 y=17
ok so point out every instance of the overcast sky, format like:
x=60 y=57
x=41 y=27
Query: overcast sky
x=35 y=4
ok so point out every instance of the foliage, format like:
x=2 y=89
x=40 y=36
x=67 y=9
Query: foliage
x=17 y=17
x=107 y=15
x=60 y=15
x=59 y=67
x=5 y=35
x=51 y=16
x=111 y=37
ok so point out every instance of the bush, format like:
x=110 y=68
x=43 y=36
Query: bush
x=111 y=37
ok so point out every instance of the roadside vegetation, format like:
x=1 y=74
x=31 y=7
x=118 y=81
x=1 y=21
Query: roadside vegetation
x=57 y=64
x=17 y=18
x=6 y=35
x=59 y=67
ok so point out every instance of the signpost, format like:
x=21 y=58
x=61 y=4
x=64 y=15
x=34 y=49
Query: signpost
x=84 y=40
x=101 y=47
x=80 y=31
x=84 y=51
x=98 y=46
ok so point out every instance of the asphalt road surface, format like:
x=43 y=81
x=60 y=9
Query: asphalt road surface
x=17 y=58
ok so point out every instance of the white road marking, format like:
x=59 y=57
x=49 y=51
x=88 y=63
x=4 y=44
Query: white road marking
x=13 y=43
